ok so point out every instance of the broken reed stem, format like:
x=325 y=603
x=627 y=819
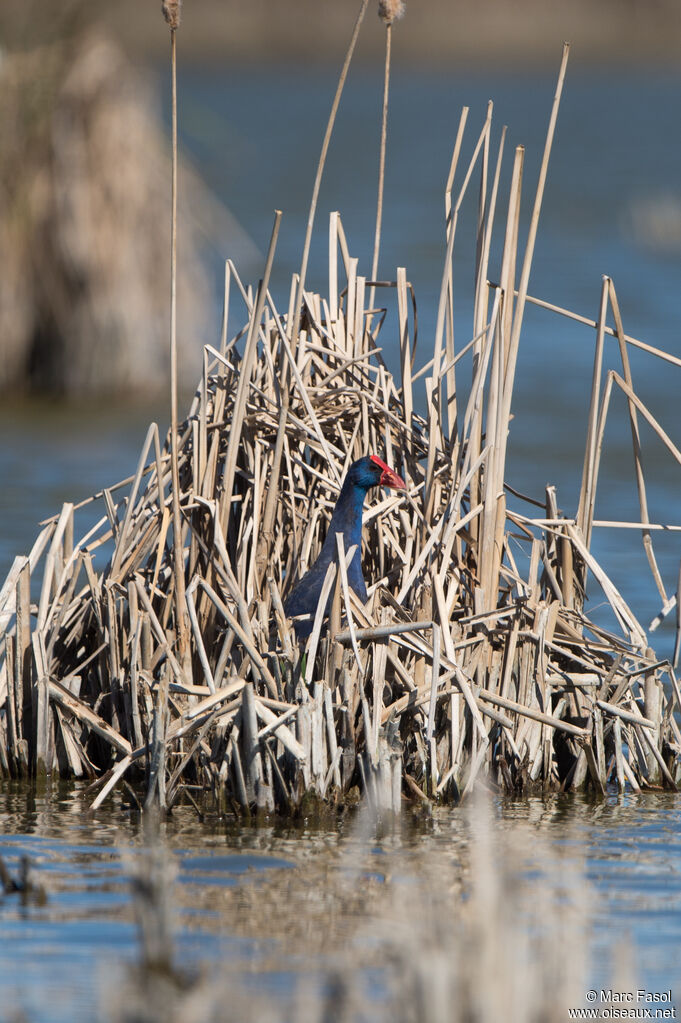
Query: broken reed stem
x=569 y=314
x=536 y=210
x=531 y=239
x=381 y=163
x=589 y=478
x=246 y=368
x=636 y=442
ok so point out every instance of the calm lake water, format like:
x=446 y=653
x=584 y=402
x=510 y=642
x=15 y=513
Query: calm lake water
x=612 y=205
x=278 y=905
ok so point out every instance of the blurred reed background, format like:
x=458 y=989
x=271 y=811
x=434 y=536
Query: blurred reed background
x=441 y=31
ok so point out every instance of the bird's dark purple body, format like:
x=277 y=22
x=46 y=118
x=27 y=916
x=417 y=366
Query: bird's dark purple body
x=363 y=474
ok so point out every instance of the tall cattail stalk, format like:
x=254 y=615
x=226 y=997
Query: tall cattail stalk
x=172 y=14
x=295 y=319
x=320 y=169
x=388 y=11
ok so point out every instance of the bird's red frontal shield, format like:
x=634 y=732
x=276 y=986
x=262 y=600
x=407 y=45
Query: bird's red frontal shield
x=389 y=477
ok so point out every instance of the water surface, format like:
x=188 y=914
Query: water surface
x=612 y=192
x=278 y=904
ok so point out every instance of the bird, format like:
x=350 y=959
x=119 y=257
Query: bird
x=365 y=473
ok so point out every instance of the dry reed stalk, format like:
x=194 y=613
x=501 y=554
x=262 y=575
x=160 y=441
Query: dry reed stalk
x=640 y=482
x=388 y=12
x=451 y=221
x=294 y=321
x=587 y=494
x=171 y=12
x=246 y=370
x=493 y=491
x=647 y=415
x=673 y=360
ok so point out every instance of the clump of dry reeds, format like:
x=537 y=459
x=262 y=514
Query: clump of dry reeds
x=474 y=657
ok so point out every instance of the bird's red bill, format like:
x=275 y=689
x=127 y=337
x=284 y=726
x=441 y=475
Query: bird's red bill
x=389 y=477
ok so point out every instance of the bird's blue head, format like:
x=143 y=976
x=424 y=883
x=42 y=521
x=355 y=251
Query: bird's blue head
x=370 y=471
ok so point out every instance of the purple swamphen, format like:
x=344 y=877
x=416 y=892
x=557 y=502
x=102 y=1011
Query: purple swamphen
x=366 y=472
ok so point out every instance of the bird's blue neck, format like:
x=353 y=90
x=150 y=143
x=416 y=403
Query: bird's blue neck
x=346 y=519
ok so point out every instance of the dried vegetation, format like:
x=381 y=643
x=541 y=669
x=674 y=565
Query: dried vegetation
x=474 y=659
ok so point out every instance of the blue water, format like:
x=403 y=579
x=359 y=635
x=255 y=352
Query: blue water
x=57 y=958
x=239 y=896
x=615 y=174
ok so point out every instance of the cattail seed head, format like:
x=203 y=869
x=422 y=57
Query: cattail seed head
x=172 y=12
x=391 y=10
